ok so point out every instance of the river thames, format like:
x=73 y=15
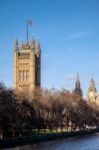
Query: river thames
x=89 y=142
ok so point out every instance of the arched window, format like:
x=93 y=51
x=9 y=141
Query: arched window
x=23 y=75
x=27 y=75
x=19 y=75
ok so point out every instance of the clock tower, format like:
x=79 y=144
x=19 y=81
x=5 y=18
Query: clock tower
x=92 y=91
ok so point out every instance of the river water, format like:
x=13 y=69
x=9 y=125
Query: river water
x=89 y=142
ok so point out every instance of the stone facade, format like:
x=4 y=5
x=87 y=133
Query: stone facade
x=27 y=65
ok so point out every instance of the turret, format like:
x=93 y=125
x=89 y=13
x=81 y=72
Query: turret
x=16 y=47
x=22 y=45
x=38 y=65
x=92 y=86
x=38 y=49
x=77 y=82
x=32 y=43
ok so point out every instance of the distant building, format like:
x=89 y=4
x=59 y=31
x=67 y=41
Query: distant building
x=78 y=89
x=92 y=94
x=27 y=65
x=92 y=91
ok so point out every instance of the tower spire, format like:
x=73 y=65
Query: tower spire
x=38 y=49
x=32 y=43
x=92 y=85
x=16 y=44
x=78 y=89
x=78 y=82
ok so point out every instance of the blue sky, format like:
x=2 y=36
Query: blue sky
x=69 y=34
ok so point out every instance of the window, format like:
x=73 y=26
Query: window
x=23 y=75
x=19 y=75
x=27 y=75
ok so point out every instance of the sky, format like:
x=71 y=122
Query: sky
x=68 y=31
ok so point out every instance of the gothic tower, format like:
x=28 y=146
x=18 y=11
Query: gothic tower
x=78 y=89
x=92 y=91
x=27 y=65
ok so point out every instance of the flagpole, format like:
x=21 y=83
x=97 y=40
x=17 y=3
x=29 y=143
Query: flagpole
x=27 y=33
x=29 y=22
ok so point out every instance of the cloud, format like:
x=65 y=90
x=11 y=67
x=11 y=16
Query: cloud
x=70 y=77
x=97 y=82
x=71 y=49
x=79 y=34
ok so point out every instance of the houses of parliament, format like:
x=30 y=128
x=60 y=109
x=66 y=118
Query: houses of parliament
x=92 y=95
x=27 y=70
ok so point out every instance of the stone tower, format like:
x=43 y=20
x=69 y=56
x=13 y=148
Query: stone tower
x=27 y=65
x=92 y=91
x=78 y=89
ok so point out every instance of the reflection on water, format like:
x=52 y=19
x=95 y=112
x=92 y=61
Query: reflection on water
x=89 y=142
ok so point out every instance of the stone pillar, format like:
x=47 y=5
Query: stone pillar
x=32 y=70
